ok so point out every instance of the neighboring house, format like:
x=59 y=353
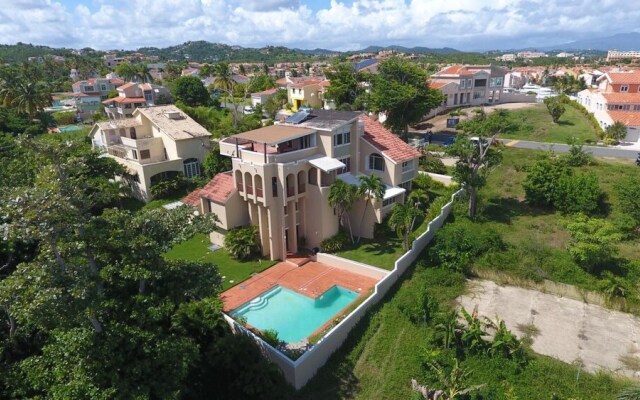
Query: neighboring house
x=514 y=80
x=282 y=174
x=616 y=99
x=307 y=93
x=262 y=97
x=134 y=95
x=111 y=60
x=99 y=86
x=475 y=84
x=158 y=142
x=620 y=55
x=370 y=65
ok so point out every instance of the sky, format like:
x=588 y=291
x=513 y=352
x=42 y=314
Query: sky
x=308 y=24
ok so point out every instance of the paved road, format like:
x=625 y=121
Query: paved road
x=564 y=148
x=615 y=152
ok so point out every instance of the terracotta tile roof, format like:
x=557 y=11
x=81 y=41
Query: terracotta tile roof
x=265 y=92
x=127 y=85
x=146 y=86
x=629 y=118
x=125 y=100
x=117 y=81
x=325 y=83
x=305 y=83
x=193 y=198
x=389 y=144
x=219 y=189
x=622 y=97
x=282 y=82
x=454 y=70
x=624 y=77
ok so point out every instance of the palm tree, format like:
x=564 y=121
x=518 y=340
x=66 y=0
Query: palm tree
x=31 y=98
x=449 y=329
x=419 y=198
x=617 y=131
x=372 y=188
x=142 y=72
x=402 y=217
x=342 y=196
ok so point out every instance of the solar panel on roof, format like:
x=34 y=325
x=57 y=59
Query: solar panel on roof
x=297 y=117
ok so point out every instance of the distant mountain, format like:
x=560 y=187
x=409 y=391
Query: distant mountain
x=621 y=41
x=322 y=52
x=402 y=49
x=21 y=52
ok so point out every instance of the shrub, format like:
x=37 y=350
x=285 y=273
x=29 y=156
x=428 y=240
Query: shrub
x=541 y=182
x=592 y=243
x=629 y=199
x=435 y=208
x=456 y=245
x=555 y=107
x=433 y=164
x=243 y=243
x=271 y=336
x=577 y=157
x=336 y=243
x=168 y=187
x=421 y=307
x=423 y=181
x=550 y=182
x=64 y=117
x=382 y=230
x=617 y=132
x=578 y=193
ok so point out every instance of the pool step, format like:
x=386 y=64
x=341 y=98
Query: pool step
x=297 y=262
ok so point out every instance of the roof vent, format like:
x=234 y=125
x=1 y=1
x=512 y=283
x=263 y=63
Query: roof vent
x=173 y=114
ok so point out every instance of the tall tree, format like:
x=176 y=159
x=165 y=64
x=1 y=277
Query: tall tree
x=475 y=157
x=345 y=84
x=342 y=196
x=401 y=220
x=401 y=91
x=555 y=107
x=371 y=189
x=190 y=91
x=126 y=71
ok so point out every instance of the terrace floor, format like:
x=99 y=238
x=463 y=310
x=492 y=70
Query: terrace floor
x=311 y=279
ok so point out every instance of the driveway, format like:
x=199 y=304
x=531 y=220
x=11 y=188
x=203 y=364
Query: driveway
x=567 y=329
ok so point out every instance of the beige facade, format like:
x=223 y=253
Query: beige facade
x=474 y=84
x=282 y=174
x=158 y=142
x=134 y=95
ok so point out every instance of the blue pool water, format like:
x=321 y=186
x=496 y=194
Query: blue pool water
x=69 y=128
x=292 y=315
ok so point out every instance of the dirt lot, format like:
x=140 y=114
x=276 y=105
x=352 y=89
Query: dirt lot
x=567 y=329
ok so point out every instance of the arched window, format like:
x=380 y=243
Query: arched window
x=191 y=167
x=376 y=162
x=132 y=132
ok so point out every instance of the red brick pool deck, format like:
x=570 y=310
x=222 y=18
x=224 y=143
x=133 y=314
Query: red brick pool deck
x=311 y=279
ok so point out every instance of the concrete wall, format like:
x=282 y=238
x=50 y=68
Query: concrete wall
x=351 y=266
x=516 y=98
x=299 y=372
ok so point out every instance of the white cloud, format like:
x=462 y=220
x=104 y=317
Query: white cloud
x=339 y=24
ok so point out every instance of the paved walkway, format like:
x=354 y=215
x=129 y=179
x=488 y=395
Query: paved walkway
x=569 y=330
x=311 y=279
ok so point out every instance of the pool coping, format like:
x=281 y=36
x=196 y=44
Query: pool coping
x=305 y=342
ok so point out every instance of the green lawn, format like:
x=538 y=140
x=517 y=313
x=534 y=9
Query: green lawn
x=384 y=251
x=536 y=125
x=386 y=350
x=538 y=237
x=231 y=270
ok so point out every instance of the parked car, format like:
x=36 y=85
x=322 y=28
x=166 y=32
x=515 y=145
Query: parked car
x=248 y=110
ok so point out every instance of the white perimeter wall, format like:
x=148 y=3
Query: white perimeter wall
x=299 y=372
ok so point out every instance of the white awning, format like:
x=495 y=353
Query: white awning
x=393 y=192
x=348 y=178
x=327 y=164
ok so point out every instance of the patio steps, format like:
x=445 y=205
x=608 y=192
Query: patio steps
x=297 y=260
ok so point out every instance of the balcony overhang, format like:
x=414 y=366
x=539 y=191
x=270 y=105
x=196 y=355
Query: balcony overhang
x=327 y=164
x=273 y=135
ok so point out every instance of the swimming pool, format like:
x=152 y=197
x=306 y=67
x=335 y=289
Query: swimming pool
x=293 y=315
x=69 y=128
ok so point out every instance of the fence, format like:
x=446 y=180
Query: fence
x=300 y=371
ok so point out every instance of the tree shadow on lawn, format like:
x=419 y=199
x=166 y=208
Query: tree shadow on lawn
x=382 y=246
x=504 y=209
x=565 y=123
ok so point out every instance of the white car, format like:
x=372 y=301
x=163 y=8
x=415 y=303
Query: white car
x=248 y=110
